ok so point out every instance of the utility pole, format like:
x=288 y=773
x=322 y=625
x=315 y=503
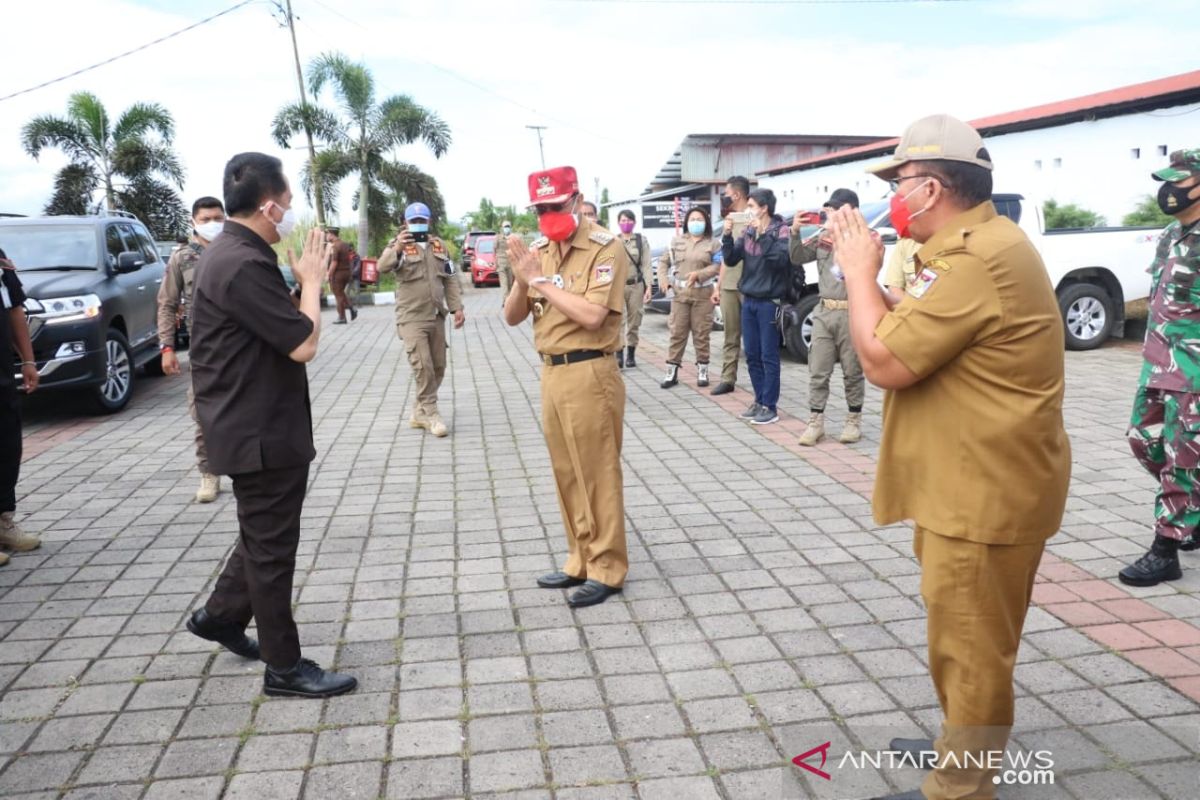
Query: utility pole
x=596 y=197
x=318 y=194
x=542 y=152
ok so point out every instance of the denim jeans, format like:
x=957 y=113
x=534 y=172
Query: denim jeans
x=760 y=338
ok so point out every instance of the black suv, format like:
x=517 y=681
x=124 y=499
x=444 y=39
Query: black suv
x=92 y=284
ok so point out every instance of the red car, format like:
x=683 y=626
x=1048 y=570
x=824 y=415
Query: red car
x=483 y=263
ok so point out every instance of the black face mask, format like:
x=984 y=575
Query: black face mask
x=726 y=201
x=1174 y=200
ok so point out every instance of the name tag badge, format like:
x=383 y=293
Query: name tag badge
x=922 y=282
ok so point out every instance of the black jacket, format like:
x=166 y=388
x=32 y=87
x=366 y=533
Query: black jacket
x=767 y=271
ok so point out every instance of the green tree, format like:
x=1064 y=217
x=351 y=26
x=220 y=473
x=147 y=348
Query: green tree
x=1148 y=214
x=603 y=210
x=357 y=139
x=1070 y=216
x=131 y=161
x=489 y=216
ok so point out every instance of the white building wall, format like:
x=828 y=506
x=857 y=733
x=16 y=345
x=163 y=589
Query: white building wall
x=1102 y=165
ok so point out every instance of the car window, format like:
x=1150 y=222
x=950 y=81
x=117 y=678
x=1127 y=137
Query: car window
x=486 y=245
x=148 y=248
x=113 y=243
x=40 y=246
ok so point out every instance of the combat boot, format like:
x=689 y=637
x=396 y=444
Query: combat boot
x=210 y=487
x=630 y=361
x=418 y=419
x=1190 y=543
x=672 y=376
x=852 y=430
x=702 y=375
x=814 y=431
x=621 y=359
x=1160 y=564
x=436 y=426
x=12 y=537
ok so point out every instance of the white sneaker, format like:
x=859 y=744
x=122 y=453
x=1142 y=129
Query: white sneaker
x=210 y=487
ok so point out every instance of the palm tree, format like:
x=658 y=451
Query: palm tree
x=131 y=161
x=357 y=139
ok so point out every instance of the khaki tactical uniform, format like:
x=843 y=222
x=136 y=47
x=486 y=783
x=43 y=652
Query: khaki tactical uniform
x=635 y=286
x=691 y=307
x=831 y=328
x=583 y=403
x=731 y=307
x=339 y=278
x=975 y=453
x=901 y=272
x=427 y=290
x=175 y=293
x=503 y=267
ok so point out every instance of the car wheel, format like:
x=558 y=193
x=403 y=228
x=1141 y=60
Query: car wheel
x=798 y=338
x=1088 y=314
x=113 y=395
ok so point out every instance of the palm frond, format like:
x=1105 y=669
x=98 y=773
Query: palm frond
x=65 y=134
x=352 y=83
x=136 y=158
x=156 y=204
x=143 y=118
x=331 y=168
x=401 y=121
x=89 y=113
x=408 y=184
x=74 y=186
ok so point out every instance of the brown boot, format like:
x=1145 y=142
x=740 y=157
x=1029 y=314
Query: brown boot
x=852 y=430
x=814 y=431
x=12 y=537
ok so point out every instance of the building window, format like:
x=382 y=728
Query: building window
x=1037 y=164
x=1135 y=153
x=1057 y=163
x=1162 y=149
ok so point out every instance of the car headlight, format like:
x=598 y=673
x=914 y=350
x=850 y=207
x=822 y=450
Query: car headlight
x=61 y=310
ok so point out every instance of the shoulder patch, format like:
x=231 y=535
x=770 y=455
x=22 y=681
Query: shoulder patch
x=412 y=250
x=937 y=263
x=601 y=237
x=604 y=272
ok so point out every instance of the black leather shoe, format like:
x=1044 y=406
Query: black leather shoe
x=229 y=635
x=922 y=750
x=915 y=794
x=306 y=679
x=1160 y=564
x=630 y=361
x=722 y=388
x=559 y=580
x=593 y=592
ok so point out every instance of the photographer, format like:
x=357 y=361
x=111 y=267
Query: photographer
x=762 y=249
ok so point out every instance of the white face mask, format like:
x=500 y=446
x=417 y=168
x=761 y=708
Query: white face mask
x=209 y=231
x=286 y=224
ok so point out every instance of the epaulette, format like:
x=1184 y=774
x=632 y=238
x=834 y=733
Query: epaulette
x=601 y=237
x=542 y=242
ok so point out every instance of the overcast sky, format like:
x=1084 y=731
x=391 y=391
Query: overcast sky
x=618 y=83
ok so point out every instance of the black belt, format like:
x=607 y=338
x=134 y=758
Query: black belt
x=633 y=281
x=573 y=357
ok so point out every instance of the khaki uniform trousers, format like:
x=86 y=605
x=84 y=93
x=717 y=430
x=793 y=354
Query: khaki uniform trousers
x=635 y=301
x=425 y=344
x=831 y=345
x=506 y=282
x=694 y=317
x=338 y=282
x=583 y=411
x=731 y=313
x=976 y=596
x=201 y=450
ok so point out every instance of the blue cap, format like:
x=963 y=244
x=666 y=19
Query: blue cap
x=417 y=211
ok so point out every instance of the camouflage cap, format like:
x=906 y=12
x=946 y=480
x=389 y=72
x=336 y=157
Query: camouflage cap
x=1184 y=164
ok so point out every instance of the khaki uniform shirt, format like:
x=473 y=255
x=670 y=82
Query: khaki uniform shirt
x=976 y=449
x=427 y=284
x=176 y=290
x=595 y=267
x=502 y=253
x=638 y=267
x=819 y=249
x=689 y=254
x=901 y=270
x=733 y=275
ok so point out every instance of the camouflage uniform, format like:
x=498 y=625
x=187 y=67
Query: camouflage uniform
x=1164 y=432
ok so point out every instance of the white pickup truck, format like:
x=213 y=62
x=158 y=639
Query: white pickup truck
x=1094 y=271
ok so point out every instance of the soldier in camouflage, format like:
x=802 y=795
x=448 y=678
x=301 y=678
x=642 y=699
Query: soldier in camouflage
x=1164 y=433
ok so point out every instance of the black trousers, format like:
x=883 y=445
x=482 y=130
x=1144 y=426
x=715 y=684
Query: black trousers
x=10 y=447
x=257 y=579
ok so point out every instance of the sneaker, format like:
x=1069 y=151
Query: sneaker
x=672 y=377
x=12 y=537
x=436 y=426
x=339 y=322
x=751 y=412
x=765 y=416
x=814 y=431
x=702 y=375
x=210 y=487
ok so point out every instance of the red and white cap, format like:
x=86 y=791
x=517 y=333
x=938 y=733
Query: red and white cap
x=552 y=186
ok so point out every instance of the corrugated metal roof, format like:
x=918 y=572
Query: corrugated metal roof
x=1161 y=93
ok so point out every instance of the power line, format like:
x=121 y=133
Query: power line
x=765 y=2
x=127 y=52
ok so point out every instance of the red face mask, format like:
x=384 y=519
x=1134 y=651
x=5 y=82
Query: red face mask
x=558 y=225
x=901 y=217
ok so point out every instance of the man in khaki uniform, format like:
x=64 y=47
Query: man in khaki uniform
x=636 y=293
x=175 y=292
x=340 y=276
x=573 y=283
x=503 y=267
x=725 y=294
x=427 y=290
x=900 y=274
x=831 y=331
x=974 y=450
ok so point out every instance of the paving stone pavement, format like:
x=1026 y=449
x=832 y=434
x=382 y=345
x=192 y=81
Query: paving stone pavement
x=764 y=614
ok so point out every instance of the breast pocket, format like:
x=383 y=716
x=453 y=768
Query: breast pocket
x=411 y=271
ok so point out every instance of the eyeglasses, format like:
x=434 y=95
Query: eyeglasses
x=895 y=184
x=590 y=214
x=563 y=206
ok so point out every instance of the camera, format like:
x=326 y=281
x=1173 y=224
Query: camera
x=419 y=236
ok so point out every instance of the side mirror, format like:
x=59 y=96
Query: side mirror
x=130 y=261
